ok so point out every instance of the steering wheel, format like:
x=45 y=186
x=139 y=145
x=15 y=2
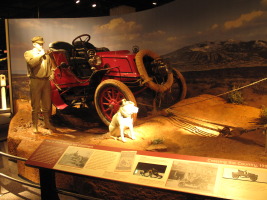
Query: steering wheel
x=84 y=38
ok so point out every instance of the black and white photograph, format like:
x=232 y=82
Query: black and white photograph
x=192 y=176
x=245 y=174
x=75 y=157
x=126 y=161
x=150 y=170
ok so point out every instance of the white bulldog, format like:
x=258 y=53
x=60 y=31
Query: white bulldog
x=123 y=119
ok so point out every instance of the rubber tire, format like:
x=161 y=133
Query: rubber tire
x=169 y=98
x=235 y=176
x=181 y=80
x=253 y=177
x=117 y=85
x=143 y=72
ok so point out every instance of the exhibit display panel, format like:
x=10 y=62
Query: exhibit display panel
x=199 y=175
x=217 y=61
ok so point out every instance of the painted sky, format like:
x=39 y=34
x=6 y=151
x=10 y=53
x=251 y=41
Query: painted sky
x=163 y=29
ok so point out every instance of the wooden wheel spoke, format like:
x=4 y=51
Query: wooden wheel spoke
x=108 y=98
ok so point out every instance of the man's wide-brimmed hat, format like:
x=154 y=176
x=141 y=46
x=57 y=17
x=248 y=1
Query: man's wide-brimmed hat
x=38 y=39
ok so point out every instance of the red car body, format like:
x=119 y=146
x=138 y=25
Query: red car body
x=106 y=77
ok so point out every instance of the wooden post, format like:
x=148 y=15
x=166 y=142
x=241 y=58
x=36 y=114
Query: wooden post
x=48 y=184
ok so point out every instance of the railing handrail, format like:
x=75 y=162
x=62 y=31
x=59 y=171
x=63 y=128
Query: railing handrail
x=20 y=181
x=11 y=156
x=2 y=111
x=60 y=191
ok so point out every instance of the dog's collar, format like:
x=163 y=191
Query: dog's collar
x=124 y=115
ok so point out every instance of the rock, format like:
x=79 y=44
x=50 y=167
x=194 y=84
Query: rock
x=157 y=147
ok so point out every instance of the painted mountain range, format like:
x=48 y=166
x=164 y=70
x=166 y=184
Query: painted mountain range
x=218 y=55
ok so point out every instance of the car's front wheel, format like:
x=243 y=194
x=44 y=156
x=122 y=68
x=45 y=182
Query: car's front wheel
x=108 y=98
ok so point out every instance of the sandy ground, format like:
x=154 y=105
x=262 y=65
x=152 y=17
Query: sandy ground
x=191 y=127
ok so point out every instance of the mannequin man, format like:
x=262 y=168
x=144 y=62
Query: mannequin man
x=40 y=70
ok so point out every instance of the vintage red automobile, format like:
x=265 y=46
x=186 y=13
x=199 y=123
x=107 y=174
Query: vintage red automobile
x=86 y=74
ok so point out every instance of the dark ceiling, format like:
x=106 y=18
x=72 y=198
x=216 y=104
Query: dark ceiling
x=17 y=9
x=68 y=8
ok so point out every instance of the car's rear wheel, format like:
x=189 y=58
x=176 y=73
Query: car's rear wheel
x=235 y=176
x=108 y=98
x=253 y=177
x=175 y=93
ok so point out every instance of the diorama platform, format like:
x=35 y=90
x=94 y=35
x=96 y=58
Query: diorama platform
x=190 y=127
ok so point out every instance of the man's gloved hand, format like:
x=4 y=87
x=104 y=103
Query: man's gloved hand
x=52 y=76
x=48 y=52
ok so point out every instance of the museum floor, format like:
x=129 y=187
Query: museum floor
x=11 y=190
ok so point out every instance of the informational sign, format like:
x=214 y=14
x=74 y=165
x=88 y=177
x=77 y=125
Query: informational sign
x=230 y=179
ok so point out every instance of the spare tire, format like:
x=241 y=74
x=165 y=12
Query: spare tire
x=147 y=80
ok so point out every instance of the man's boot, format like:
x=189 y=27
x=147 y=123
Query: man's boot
x=47 y=123
x=35 y=122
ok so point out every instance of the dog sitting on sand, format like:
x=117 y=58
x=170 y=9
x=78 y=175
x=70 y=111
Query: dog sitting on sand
x=123 y=119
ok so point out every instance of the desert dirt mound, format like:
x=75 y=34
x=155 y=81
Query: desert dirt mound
x=190 y=127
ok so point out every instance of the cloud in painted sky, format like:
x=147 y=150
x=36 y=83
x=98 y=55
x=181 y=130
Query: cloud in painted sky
x=171 y=39
x=264 y=2
x=40 y=24
x=118 y=25
x=119 y=32
x=154 y=35
x=242 y=20
x=214 y=26
x=28 y=24
x=62 y=25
